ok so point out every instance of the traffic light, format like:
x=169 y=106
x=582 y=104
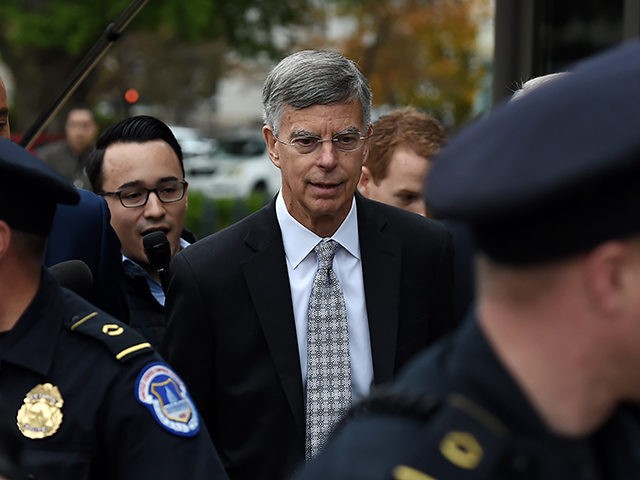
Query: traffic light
x=131 y=96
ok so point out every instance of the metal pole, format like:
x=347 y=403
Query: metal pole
x=86 y=65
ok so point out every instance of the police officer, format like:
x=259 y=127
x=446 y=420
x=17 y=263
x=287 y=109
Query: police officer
x=543 y=380
x=89 y=398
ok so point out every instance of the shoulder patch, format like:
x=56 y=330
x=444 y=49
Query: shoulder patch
x=164 y=393
x=123 y=341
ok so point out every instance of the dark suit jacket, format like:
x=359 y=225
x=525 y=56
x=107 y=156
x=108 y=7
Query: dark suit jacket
x=231 y=333
x=84 y=232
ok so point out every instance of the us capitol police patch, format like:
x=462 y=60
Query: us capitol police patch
x=40 y=415
x=165 y=395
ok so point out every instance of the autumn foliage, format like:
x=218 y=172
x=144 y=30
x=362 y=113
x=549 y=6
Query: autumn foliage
x=420 y=53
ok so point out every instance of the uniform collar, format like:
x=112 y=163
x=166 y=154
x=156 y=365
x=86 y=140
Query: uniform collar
x=32 y=341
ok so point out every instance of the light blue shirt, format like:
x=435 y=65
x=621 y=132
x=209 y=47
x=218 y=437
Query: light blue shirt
x=347 y=265
x=155 y=287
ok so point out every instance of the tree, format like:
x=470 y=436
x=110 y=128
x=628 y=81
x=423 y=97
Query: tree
x=419 y=52
x=42 y=40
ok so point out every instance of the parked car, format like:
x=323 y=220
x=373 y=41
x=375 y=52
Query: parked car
x=238 y=168
x=191 y=142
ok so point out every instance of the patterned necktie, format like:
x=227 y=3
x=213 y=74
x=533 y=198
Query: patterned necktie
x=328 y=364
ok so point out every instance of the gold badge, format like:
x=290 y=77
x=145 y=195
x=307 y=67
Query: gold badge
x=40 y=416
x=462 y=449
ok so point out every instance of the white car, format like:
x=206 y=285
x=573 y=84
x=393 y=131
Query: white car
x=240 y=167
x=191 y=142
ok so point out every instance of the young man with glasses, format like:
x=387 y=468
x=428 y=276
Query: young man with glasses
x=137 y=167
x=244 y=327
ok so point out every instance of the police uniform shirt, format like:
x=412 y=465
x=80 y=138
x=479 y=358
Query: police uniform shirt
x=457 y=414
x=92 y=400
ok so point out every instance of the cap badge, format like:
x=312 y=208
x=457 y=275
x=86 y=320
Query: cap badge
x=40 y=416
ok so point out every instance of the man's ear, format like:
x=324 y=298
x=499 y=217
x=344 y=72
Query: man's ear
x=607 y=277
x=270 y=140
x=365 y=181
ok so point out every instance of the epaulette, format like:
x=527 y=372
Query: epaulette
x=467 y=442
x=452 y=436
x=123 y=341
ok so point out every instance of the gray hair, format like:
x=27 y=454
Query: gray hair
x=534 y=83
x=313 y=77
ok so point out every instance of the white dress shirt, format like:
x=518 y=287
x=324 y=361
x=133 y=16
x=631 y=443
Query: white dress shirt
x=347 y=265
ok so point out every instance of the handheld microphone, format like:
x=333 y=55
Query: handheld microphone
x=74 y=275
x=158 y=252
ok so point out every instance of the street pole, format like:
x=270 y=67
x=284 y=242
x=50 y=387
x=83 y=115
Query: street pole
x=91 y=59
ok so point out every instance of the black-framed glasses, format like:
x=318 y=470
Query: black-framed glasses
x=137 y=196
x=345 y=142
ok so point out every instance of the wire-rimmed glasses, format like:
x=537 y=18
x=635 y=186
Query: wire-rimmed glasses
x=345 y=142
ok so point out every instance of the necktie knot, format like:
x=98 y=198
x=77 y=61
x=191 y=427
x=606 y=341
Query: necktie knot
x=325 y=252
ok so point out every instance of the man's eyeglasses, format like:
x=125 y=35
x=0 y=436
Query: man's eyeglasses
x=345 y=142
x=137 y=196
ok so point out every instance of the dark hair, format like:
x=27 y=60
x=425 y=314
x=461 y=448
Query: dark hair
x=138 y=129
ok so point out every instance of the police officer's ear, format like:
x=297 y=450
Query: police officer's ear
x=610 y=272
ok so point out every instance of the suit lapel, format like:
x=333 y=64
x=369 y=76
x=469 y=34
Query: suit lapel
x=268 y=282
x=381 y=256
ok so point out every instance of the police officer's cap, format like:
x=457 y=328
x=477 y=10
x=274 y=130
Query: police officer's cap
x=554 y=173
x=30 y=190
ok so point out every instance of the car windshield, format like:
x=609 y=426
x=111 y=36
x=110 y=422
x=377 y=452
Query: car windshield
x=242 y=146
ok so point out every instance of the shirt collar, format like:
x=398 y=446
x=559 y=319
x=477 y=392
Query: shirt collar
x=299 y=240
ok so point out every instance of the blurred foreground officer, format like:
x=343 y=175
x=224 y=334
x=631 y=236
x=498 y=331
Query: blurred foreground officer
x=89 y=397
x=544 y=382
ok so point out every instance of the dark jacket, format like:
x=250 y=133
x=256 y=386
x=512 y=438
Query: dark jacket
x=232 y=333
x=146 y=315
x=83 y=232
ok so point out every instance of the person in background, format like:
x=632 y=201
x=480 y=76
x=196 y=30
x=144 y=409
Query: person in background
x=137 y=167
x=68 y=156
x=543 y=381
x=90 y=398
x=534 y=83
x=272 y=356
x=401 y=149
